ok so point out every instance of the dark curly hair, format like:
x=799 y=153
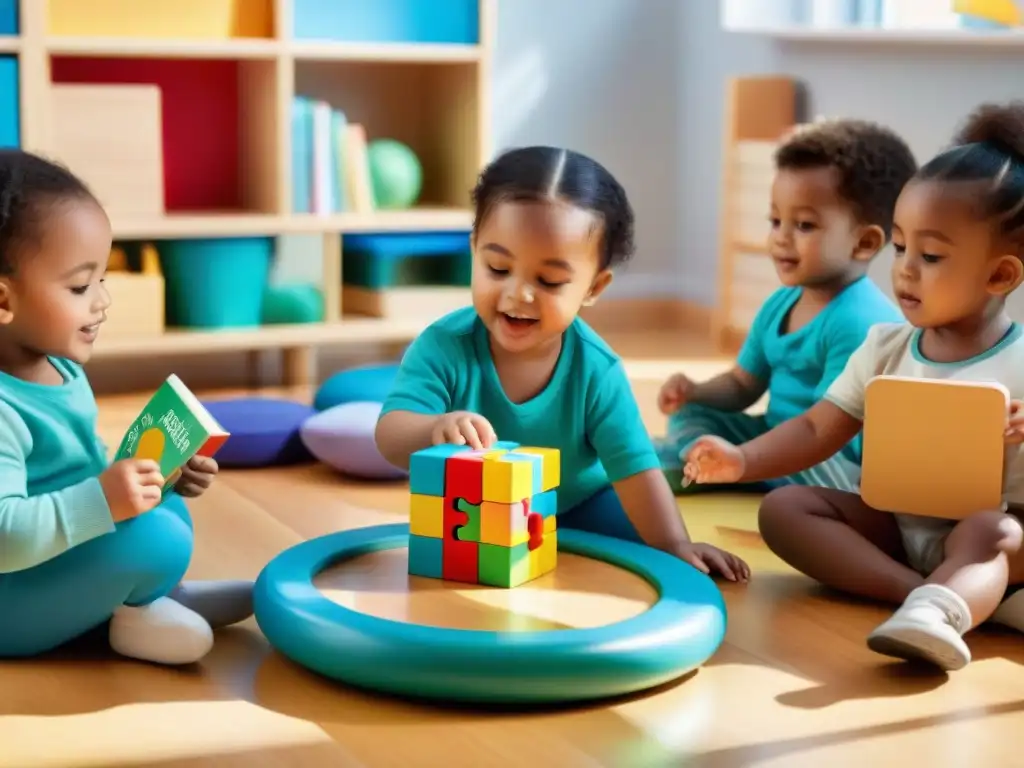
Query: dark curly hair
x=534 y=174
x=872 y=162
x=989 y=149
x=29 y=188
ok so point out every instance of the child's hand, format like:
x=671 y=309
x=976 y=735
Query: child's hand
x=1015 y=429
x=132 y=486
x=706 y=558
x=674 y=393
x=196 y=476
x=464 y=428
x=713 y=460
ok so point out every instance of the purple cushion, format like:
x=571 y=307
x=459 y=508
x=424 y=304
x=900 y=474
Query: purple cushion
x=264 y=431
x=342 y=438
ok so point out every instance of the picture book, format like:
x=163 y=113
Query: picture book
x=172 y=428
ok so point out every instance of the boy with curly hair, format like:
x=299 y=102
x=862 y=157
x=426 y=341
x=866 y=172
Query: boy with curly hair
x=832 y=200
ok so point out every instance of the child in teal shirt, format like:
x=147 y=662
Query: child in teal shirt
x=521 y=366
x=832 y=202
x=84 y=543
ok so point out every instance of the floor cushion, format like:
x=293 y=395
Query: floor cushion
x=342 y=438
x=365 y=383
x=264 y=431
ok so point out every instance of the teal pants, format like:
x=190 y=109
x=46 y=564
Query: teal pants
x=57 y=601
x=693 y=421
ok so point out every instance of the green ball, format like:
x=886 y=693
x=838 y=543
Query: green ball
x=295 y=303
x=395 y=172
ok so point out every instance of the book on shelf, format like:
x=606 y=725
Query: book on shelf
x=330 y=164
x=170 y=429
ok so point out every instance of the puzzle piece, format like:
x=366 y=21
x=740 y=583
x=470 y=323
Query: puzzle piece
x=492 y=513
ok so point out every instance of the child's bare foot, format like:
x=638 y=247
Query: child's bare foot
x=929 y=626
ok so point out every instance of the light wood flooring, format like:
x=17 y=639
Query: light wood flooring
x=793 y=685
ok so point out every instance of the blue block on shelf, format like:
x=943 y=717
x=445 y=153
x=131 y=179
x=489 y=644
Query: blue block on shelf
x=8 y=17
x=10 y=111
x=388 y=21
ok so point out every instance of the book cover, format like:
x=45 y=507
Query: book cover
x=172 y=428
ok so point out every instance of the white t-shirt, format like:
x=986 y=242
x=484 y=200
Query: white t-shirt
x=894 y=349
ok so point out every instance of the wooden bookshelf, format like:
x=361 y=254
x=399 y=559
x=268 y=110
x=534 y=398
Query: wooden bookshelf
x=447 y=124
x=759 y=111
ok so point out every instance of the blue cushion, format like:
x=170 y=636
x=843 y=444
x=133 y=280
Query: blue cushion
x=264 y=431
x=364 y=383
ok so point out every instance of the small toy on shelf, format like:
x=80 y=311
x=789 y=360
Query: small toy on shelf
x=483 y=517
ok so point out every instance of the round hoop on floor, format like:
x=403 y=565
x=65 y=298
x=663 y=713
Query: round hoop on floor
x=676 y=635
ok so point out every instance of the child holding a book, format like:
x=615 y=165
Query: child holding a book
x=83 y=543
x=958 y=234
x=520 y=365
x=832 y=197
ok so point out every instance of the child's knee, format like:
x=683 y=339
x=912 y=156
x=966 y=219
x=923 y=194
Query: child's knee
x=987 y=533
x=780 y=506
x=157 y=546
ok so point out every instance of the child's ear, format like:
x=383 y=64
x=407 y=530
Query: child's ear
x=6 y=302
x=1006 y=276
x=869 y=243
x=601 y=282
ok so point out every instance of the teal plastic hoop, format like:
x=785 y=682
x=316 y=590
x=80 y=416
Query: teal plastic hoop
x=675 y=636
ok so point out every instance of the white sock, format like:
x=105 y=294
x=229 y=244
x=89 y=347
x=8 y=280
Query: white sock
x=929 y=625
x=164 y=632
x=1010 y=612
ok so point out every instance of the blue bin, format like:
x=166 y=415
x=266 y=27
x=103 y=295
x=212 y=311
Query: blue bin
x=388 y=21
x=10 y=111
x=8 y=17
x=216 y=283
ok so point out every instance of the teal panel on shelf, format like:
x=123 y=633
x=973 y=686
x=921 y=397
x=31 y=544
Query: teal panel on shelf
x=388 y=21
x=10 y=104
x=8 y=17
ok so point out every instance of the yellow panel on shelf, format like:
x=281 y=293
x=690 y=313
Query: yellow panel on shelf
x=200 y=19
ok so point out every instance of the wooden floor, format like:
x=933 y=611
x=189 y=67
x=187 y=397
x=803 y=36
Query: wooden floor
x=792 y=686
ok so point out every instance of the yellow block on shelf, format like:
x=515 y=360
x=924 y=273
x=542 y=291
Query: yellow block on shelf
x=195 y=19
x=137 y=298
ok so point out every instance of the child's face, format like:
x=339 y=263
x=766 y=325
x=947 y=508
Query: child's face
x=949 y=265
x=814 y=238
x=54 y=302
x=534 y=264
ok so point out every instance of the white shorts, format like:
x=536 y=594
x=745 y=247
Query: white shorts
x=924 y=540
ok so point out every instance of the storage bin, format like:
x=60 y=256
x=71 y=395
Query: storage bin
x=136 y=289
x=10 y=105
x=196 y=19
x=216 y=283
x=9 y=17
x=388 y=260
x=112 y=137
x=387 y=21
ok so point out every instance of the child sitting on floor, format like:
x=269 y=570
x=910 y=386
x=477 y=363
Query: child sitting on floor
x=82 y=542
x=520 y=365
x=959 y=240
x=835 y=186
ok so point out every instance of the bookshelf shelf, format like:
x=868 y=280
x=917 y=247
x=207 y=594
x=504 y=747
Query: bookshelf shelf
x=228 y=73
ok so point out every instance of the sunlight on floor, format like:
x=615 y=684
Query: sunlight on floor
x=137 y=734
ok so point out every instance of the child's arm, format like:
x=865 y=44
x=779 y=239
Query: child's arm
x=38 y=528
x=419 y=398
x=797 y=444
x=616 y=430
x=734 y=390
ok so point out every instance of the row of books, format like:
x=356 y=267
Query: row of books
x=330 y=165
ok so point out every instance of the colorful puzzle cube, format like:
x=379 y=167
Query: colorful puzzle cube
x=483 y=517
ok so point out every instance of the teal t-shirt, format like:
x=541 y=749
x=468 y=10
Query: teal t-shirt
x=800 y=366
x=587 y=411
x=50 y=459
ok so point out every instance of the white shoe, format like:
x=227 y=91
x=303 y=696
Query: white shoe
x=164 y=632
x=1010 y=612
x=929 y=626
